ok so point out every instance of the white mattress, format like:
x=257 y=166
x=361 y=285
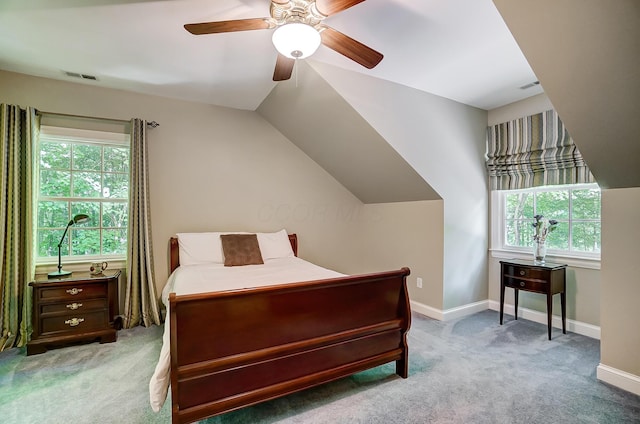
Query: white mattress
x=216 y=277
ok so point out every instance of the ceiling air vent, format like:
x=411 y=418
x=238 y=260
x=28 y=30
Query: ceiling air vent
x=81 y=76
x=531 y=84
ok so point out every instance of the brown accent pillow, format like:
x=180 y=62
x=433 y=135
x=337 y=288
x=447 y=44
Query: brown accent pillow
x=241 y=249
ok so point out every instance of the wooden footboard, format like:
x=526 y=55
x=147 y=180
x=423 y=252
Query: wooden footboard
x=237 y=348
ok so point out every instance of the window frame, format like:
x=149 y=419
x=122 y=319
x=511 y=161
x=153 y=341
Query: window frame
x=498 y=248
x=86 y=137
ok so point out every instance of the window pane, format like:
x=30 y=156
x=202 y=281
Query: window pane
x=586 y=236
x=87 y=157
x=553 y=204
x=87 y=184
x=114 y=242
x=115 y=214
x=518 y=233
x=116 y=159
x=53 y=214
x=586 y=204
x=76 y=177
x=576 y=209
x=48 y=243
x=519 y=205
x=559 y=237
x=88 y=208
x=55 y=155
x=85 y=242
x=55 y=183
x=116 y=186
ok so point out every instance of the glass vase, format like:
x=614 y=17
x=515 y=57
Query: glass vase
x=539 y=251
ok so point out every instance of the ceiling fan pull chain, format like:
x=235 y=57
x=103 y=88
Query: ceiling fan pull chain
x=296 y=67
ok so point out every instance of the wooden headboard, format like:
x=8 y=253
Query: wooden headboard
x=174 y=256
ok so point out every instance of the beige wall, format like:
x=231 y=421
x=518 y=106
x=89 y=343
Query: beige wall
x=213 y=168
x=444 y=141
x=404 y=234
x=620 y=280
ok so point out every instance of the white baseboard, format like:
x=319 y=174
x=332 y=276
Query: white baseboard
x=464 y=310
x=621 y=379
x=426 y=310
x=577 y=327
x=449 y=314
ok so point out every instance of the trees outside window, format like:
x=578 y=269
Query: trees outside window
x=576 y=208
x=82 y=172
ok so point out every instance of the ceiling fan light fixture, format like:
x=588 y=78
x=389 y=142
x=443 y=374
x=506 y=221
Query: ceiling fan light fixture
x=296 y=40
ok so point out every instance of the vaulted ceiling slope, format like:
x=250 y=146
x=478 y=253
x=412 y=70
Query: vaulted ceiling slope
x=587 y=58
x=310 y=113
x=458 y=49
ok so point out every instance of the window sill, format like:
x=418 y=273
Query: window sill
x=78 y=266
x=572 y=261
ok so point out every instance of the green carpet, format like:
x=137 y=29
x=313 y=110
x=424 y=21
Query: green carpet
x=470 y=370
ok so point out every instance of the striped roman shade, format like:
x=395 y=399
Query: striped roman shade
x=533 y=151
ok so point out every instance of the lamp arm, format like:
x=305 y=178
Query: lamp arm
x=65 y=233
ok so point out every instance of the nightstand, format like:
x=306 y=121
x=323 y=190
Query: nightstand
x=548 y=279
x=74 y=308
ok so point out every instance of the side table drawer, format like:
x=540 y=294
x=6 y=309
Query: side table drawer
x=80 y=322
x=529 y=285
x=525 y=272
x=80 y=305
x=71 y=293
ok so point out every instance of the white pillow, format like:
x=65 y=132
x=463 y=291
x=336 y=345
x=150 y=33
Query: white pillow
x=275 y=245
x=199 y=248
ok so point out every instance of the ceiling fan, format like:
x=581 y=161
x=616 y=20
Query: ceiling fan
x=299 y=32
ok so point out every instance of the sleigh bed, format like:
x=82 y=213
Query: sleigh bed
x=238 y=347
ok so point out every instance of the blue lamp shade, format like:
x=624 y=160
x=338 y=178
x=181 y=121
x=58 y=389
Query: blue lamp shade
x=78 y=219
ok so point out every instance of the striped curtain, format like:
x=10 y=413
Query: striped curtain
x=533 y=151
x=141 y=303
x=18 y=134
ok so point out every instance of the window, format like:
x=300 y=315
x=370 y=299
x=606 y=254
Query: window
x=575 y=207
x=82 y=172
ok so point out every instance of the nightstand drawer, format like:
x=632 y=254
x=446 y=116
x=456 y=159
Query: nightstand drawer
x=525 y=272
x=76 y=322
x=71 y=293
x=529 y=285
x=79 y=305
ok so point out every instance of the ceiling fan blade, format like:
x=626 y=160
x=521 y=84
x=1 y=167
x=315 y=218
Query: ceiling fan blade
x=350 y=48
x=284 y=67
x=331 y=7
x=227 y=26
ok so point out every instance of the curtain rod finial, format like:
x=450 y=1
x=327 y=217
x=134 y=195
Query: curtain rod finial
x=153 y=124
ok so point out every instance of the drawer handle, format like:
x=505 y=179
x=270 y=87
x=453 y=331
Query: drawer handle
x=73 y=306
x=74 y=321
x=74 y=291
x=522 y=283
x=522 y=272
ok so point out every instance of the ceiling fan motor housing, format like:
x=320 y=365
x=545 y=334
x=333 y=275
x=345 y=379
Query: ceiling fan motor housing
x=302 y=11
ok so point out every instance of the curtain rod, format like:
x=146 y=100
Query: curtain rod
x=152 y=124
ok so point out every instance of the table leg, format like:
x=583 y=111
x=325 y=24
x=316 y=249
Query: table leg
x=549 y=312
x=563 y=304
x=515 y=295
x=501 y=301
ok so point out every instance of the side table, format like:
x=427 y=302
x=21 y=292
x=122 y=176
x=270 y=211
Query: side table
x=547 y=278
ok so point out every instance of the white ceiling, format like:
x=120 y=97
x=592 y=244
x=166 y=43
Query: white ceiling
x=458 y=49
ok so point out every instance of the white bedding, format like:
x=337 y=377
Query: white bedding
x=203 y=278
